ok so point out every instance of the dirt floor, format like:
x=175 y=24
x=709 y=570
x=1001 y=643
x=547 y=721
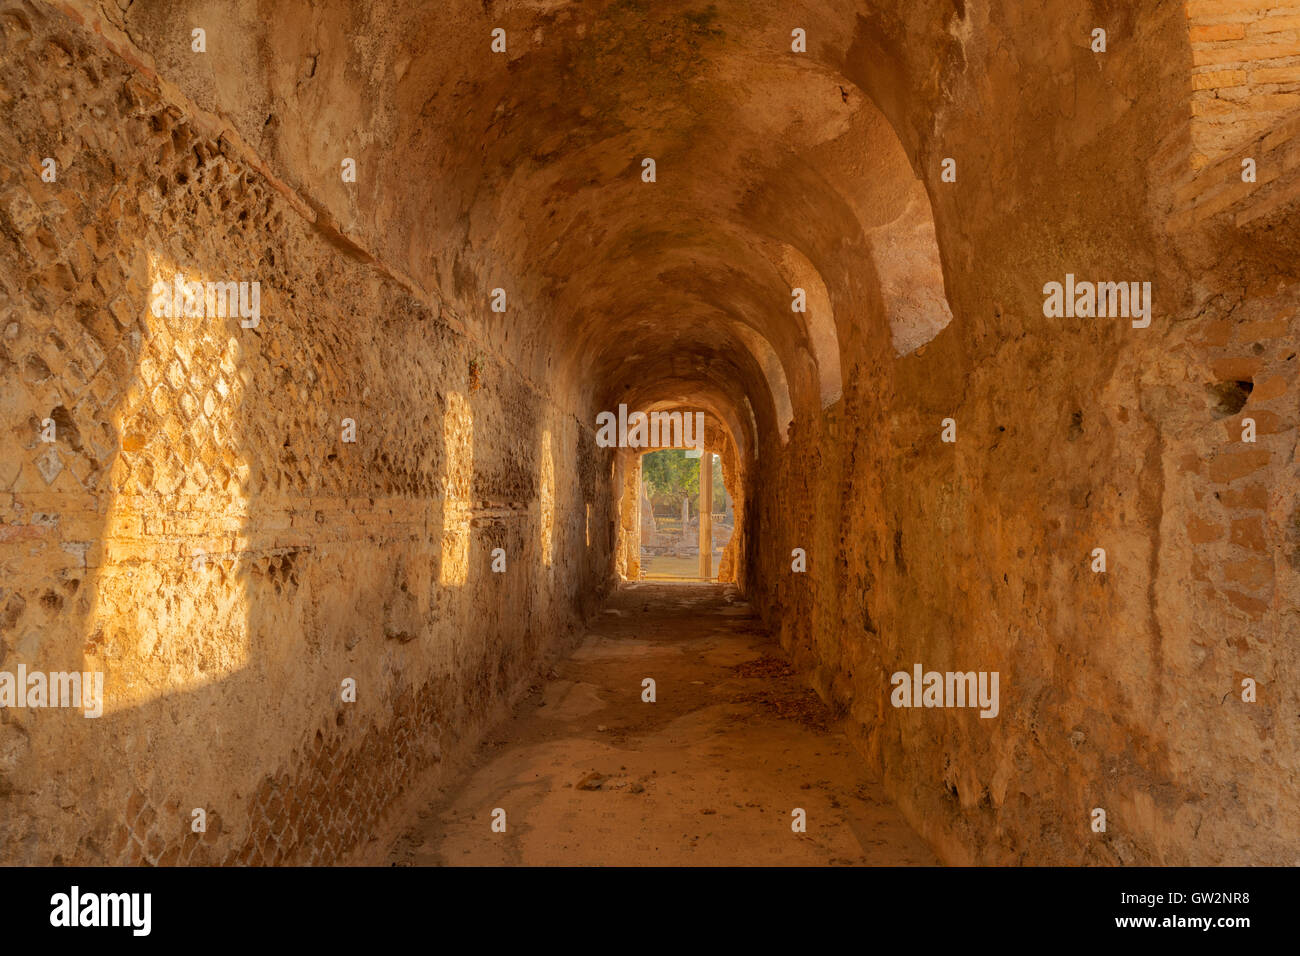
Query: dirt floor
x=664 y=567
x=708 y=774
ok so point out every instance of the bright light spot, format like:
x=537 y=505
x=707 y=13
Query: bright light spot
x=457 y=506
x=548 y=501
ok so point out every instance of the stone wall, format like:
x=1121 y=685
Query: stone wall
x=200 y=531
x=1245 y=71
x=1120 y=690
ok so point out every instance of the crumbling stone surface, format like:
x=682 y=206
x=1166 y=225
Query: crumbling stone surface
x=1121 y=690
x=199 y=530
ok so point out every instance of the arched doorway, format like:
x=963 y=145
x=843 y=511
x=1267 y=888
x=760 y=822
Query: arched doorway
x=687 y=515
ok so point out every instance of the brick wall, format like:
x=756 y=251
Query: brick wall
x=1245 y=71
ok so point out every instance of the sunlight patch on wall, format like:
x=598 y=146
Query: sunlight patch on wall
x=170 y=607
x=547 y=501
x=457 y=503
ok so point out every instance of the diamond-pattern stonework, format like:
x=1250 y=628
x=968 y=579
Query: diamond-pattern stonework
x=202 y=462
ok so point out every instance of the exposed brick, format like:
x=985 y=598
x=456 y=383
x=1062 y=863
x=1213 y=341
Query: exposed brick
x=1252 y=573
x=1274 y=24
x=1262 y=330
x=1203 y=10
x=1278 y=200
x=1254 y=608
x=1248 y=533
x=1273 y=387
x=1233 y=465
x=1235 y=368
x=1266 y=423
x=1238 y=53
x=1273 y=74
x=1202 y=532
x=1215 y=333
x=1218 y=79
x=1217 y=31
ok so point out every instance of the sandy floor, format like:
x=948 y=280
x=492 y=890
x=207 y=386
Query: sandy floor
x=588 y=773
x=664 y=567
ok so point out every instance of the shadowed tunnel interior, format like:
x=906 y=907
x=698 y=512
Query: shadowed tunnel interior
x=322 y=542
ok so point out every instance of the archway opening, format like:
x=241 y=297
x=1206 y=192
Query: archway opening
x=682 y=489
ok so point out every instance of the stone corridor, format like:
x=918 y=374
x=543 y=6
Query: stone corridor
x=588 y=772
x=335 y=338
